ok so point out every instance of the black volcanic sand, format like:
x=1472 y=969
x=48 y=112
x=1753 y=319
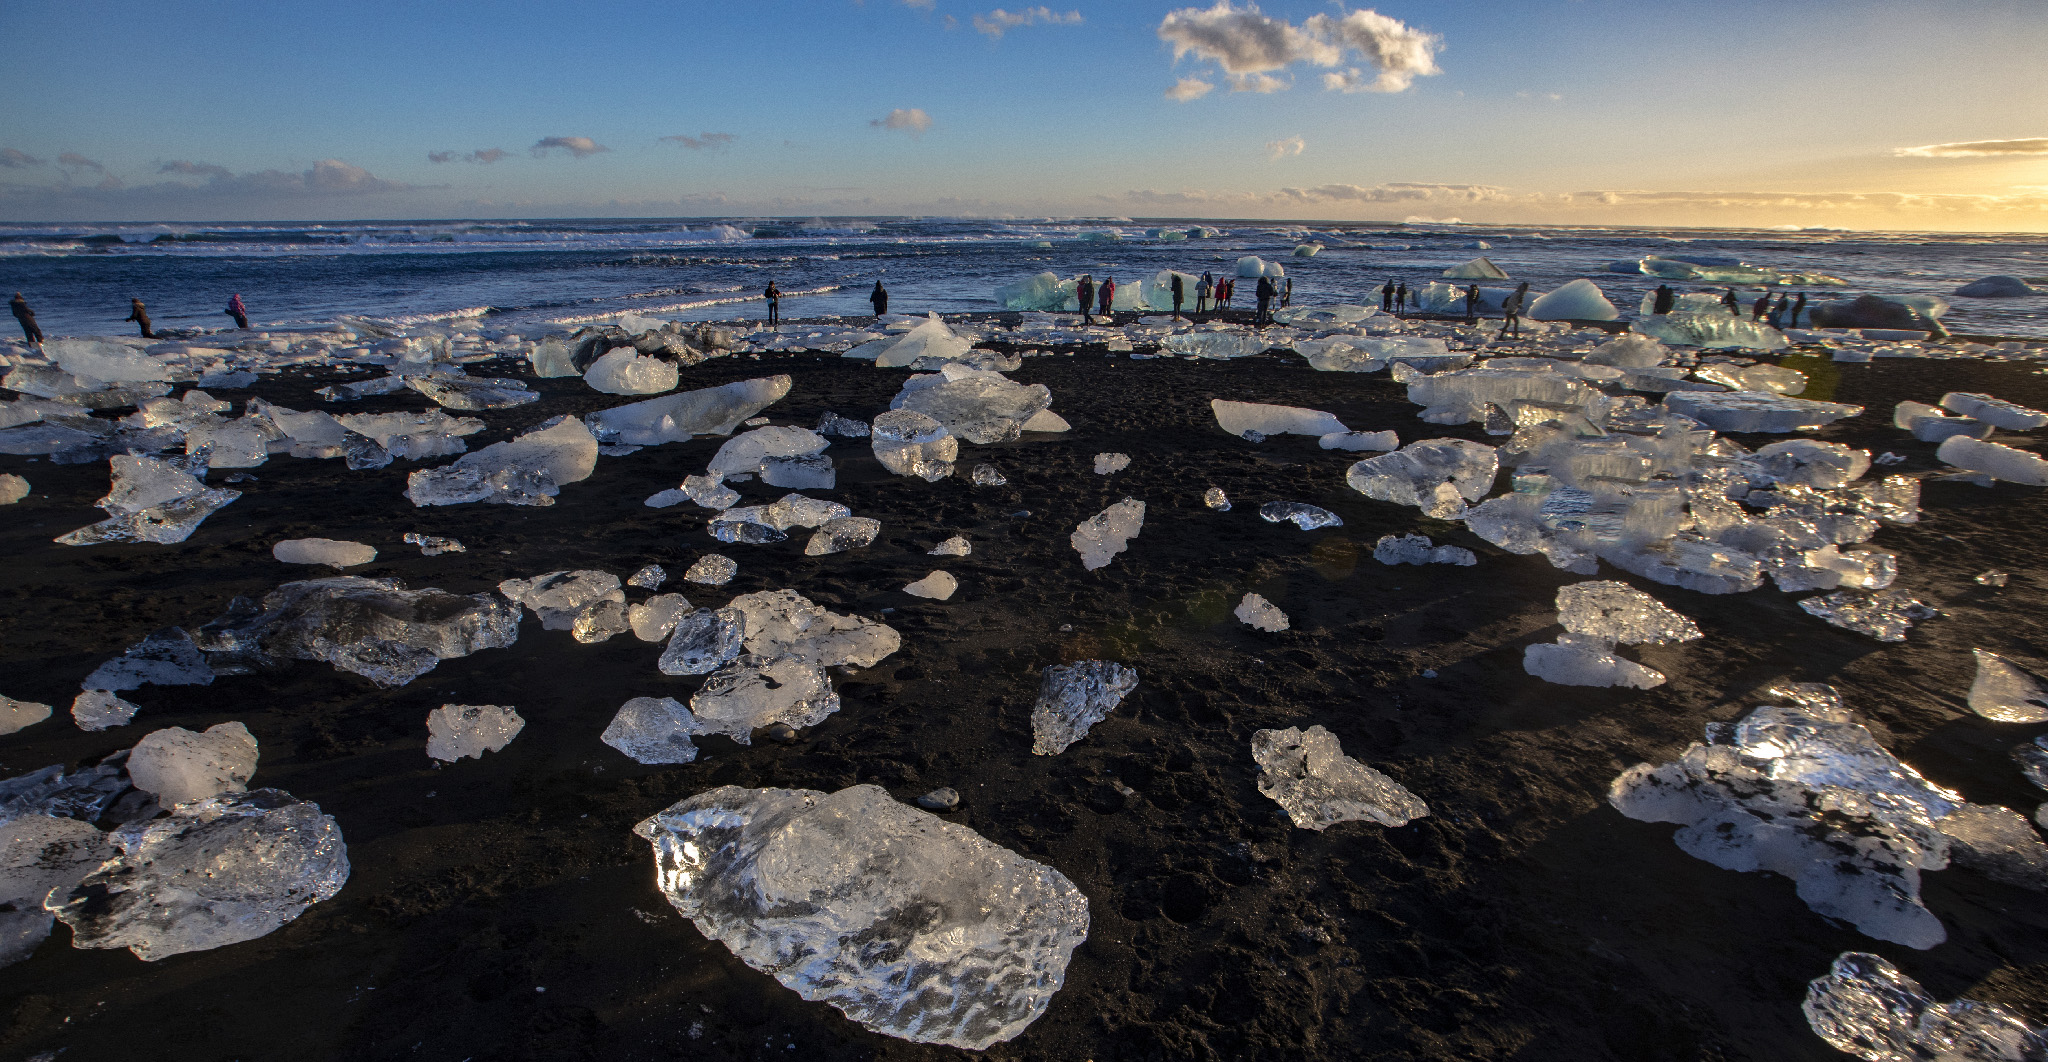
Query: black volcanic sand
x=502 y=909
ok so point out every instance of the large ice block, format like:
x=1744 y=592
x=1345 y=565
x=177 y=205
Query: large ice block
x=1438 y=476
x=625 y=372
x=1711 y=331
x=152 y=500
x=1481 y=268
x=1308 y=775
x=678 y=417
x=1238 y=418
x=1756 y=411
x=910 y=443
x=178 y=766
x=1580 y=300
x=373 y=627
x=2005 y=693
x=1072 y=698
x=653 y=730
x=973 y=404
x=1865 y=1007
x=2000 y=462
x=528 y=470
x=105 y=361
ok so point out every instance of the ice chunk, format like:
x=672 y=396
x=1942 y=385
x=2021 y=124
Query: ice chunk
x=334 y=553
x=100 y=709
x=1632 y=351
x=1580 y=300
x=938 y=586
x=816 y=890
x=653 y=730
x=1865 y=1007
x=1356 y=441
x=976 y=405
x=40 y=853
x=1481 y=268
x=834 y=424
x=553 y=358
x=1345 y=353
x=929 y=339
x=1259 y=613
x=372 y=627
x=1047 y=421
x=1417 y=549
x=988 y=476
x=1918 y=313
x=1807 y=463
x=166 y=658
x=1930 y=424
x=841 y=534
x=528 y=470
x=1437 y=476
x=781 y=677
x=2002 y=286
x=559 y=597
x=1215 y=499
x=1993 y=577
x=678 y=417
x=12 y=489
x=1711 y=330
x=472 y=392
x=1044 y=292
x=704 y=641
x=1306 y=517
x=152 y=500
x=1884 y=615
x=2005 y=693
x=104 y=361
x=458 y=730
x=1578 y=663
x=410 y=435
x=1614 y=613
x=1308 y=775
x=752 y=451
x=17 y=715
x=1217 y=346
x=1074 y=697
x=179 y=766
x=710 y=492
x=1467 y=395
x=1999 y=462
x=648 y=578
x=1110 y=464
x=653 y=619
x=1756 y=411
x=214 y=872
x=957 y=546
x=1238 y=418
x=1101 y=537
x=434 y=545
x=909 y=443
x=624 y=372
x=712 y=569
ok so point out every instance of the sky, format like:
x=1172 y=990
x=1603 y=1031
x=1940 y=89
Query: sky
x=1855 y=114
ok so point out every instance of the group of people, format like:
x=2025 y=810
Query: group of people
x=32 y=333
x=1213 y=295
x=1783 y=313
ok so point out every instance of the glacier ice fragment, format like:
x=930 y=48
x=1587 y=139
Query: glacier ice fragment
x=1300 y=514
x=649 y=577
x=165 y=658
x=1885 y=615
x=528 y=470
x=458 y=730
x=1215 y=499
x=1109 y=464
x=1756 y=411
x=1580 y=300
x=938 y=586
x=16 y=715
x=1074 y=697
x=1417 y=549
x=1617 y=613
x=100 y=709
x=653 y=619
x=624 y=371
x=40 y=854
x=1578 y=664
x=1997 y=412
x=678 y=417
x=957 y=546
x=559 y=597
x=334 y=553
x=712 y=569
x=375 y=628
x=1437 y=476
x=2005 y=693
x=152 y=500
x=12 y=489
x=1101 y=537
x=1308 y=775
x=703 y=641
x=841 y=534
x=909 y=443
x=1269 y=420
x=1865 y=1007
x=1993 y=459
x=653 y=730
x=977 y=405
x=178 y=766
x=434 y=545
x=1257 y=612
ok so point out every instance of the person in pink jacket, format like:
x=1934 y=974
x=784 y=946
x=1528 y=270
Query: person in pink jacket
x=1107 y=292
x=238 y=311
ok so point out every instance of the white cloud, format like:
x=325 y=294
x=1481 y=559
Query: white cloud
x=1978 y=149
x=1189 y=88
x=1280 y=149
x=999 y=21
x=483 y=156
x=72 y=160
x=579 y=146
x=911 y=120
x=15 y=158
x=1248 y=45
x=703 y=142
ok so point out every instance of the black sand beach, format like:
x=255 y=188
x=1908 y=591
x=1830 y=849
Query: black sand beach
x=502 y=909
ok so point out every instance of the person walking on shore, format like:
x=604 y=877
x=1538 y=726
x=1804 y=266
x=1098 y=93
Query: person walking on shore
x=1179 y=294
x=1798 y=304
x=1204 y=291
x=1665 y=300
x=1472 y=304
x=31 y=333
x=1286 y=292
x=1106 y=297
x=1777 y=315
x=879 y=298
x=140 y=316
x=238 y=311
x=1263 y=315
x=1760 y=307
x=1513 y=307
x=1401 y=298
x=1387 y=296
x=1728 y=300
x=1085 y=295
x=774 y=295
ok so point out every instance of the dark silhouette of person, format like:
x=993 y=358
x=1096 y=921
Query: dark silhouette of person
x=1179 y=293
x=1387 y=296
x=140 y=316
x=1229 y=292
x=1513 y=307
x=1264 y=293
x=1777 y=314
x=1666 y=299
x=1286 y=292
x=1472 y=304
x=1204 y=292
x=238 y=311
x=1106 y=296
x=1085 y=294
x=880 y=298
x=1728 y=299
x=774 y=305
x=31 y=333
x=1798 y=305
x=1760 y=307
x=1401 y=298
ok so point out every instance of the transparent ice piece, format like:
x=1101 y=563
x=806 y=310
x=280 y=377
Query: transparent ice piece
x=1101 y=537
x=1994 y=411
x=678 y=417
x=1359 y=441
x=1308 y=775
x=704 y=641
x=648 y=578
x=623 y=371
x=712 y=569
x=1577 y=663
x=1269 y=420
x=1756 y=411
x=166 y=658
x=1219 y=346
x=987 y=476
x=1438 y=476
x=752 y=450
x=458 y=730
x=600 y=620
x=152 y=500
x=1616 y=613
x=1417 y=549
x=559 y=597
x=472 y=392
x=909 y=443
x=957 y=546
x=1865 y=1007
x=1993 y=459
x=1261 y=614
x=2005 y=693
x=528 y=470
x=373 y=627
x=178 y=766
x=938 y=586
x=652 y=620
x=1074 y=697
x=41 y=854
x=653 y=730
x=1884 y=615
x=834 y=424
x=100 y=709
x=1304 y=516
x=977 y=405
x=434 y=545
x=1711 y=330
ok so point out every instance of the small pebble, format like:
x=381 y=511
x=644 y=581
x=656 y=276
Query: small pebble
x=940 y=799
x=780 y=733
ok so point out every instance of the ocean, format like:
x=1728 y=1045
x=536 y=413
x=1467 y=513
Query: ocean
x=526 y=274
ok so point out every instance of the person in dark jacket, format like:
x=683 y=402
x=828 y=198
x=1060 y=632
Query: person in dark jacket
x=1387 y=297
x=1798 y=305
x=1777 y=315
x=1728 y=299
x=1264 y=293
x=774 y=305
x=140 y=316
x=1760 y=307
x=1666 y=299
x=238 y=311
x=1401 y=298
x=879 y=298
x=1084 y=293
x=1513 y=306
x=1286 y=292
x=1106 y=296
x=31 y=333
x=1179 y=294
x=1472 y=304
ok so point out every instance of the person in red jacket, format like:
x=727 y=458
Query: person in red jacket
x=238 y=311
x=1108 y=293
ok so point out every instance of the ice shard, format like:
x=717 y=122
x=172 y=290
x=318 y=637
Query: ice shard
x=780 y=676
x=558 y=598
x=712 y=569
x=100 y=709
x=1885 y=615
x=625 y=372
x=434 y=545
x=938 y=586
x=152 y=500
x=1417 y=549
x=1998 y=461
x=1865 y=1007
x=957 y=546
x=1109 y=464
x=974 y=404
x=1101 y=537
x=653 y=730
x=334 y=553
x=653 y=619
x=528 y=470
x=1756 y=411
x=1308 y=775
x=1074 y=697
x=1238 y=418
x=472 y=392
x=1616 y=613
x=1584 y=662
x=2011 y=416
x=1300 y=514
x=165 y=658
x=678 y=417
x=16 y=715
x=910 y=925
x=703 y=641
x=910 y=443
x=455 y=731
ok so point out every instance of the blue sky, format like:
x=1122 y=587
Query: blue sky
x=1671 y=112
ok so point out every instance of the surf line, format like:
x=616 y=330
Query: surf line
x=649 y=311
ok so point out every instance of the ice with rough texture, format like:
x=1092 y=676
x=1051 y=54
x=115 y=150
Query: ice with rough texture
x=152 y=500
x=781 y=456
x=1438 y=476
x=780 y=677
x=1995 y=460
x=1257 y=612
x=458 y=730
x=472 y=392
x=1617 y=613
x=1237 y=418
x=977 y=405
x=841 y=534
x=1101 y=537
x=334 y=553
x=703 y=641
x=1576 y=663
x=100 y=709
x=1302 y=515
x=105 y=361
x=929 y=339
x=1107 y=464
x=178 y=766
x=1865 y=1007
x=653 y=619
x=375 y=628
x=1357 y=441
x=40 y=853
x=1806 y=463
x=1216 y=346
x=957 y=546
x=1756 y=411
x=910 y=925
x=1215 y=499
x=17 y=715
x=937 y=586
x=653 y=730
x=558 y=598
x=909 y=443
x=649 y=577
x=678 y=417
x=712 y=569
x=1074 y=697
x=12 y=489
x=1308 y=775
x=1711 y=330
x=214 y=872
x=1580 y=300
x=625 y=372
x=165 y=658
x=2010 y=416
x=528 y=470
x=1930 y=424
x=988 y=476
x=1885 y=615
x=434 y=545
x=1481 y=268
x=844 y=427
x=2005 y=693
x=1418 y=549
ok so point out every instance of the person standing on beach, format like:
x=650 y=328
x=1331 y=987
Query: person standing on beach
x=1777 y=315
x=1761 y=307
x=1264 y=294
x=140 y=316
x=774 y=305
x=1472 y=304
x=1286 y=292
x=1728 y=300
x=1085 y=295
x=1179 y=294
x=31 y=333
x=1401 y=298
x=1513 y=306
x=238 y=311
x=879 y=298
x=1203 y=292
x=1797 y=305
x=1666 y=299
x=1107 y=295
x=1225 y=288
x=1387 y=296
